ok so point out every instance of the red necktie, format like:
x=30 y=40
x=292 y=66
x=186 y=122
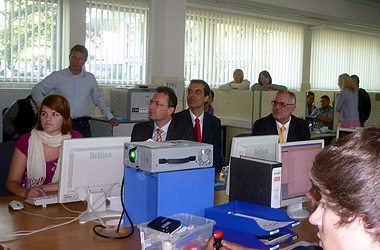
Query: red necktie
x=197 y=130
x=159 y=131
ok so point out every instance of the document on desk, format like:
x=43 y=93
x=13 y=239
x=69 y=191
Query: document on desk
x=300 y=244
x=268 y=225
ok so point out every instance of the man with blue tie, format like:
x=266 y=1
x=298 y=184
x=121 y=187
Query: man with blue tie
x=161 y=126
x=206 y=126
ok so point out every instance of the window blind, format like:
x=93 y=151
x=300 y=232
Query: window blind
x=29 y=39
x=217 y=43
x=116 y=38
x=335 y=52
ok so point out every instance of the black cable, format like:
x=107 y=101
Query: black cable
x=121 y=217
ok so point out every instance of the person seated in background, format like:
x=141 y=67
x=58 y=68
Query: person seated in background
x=265 y=83
x=281 y=121
x=161 y=126
x=238 y=83
x=347 y=175
x=324 y=115
x=208 y=107
x=364 y=101
x=34 y=167
x=310 y=102
x=20 y=118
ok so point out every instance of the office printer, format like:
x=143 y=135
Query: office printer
x=152 y=156
x=132 y=103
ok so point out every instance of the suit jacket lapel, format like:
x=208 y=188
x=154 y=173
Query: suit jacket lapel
x=172 y=130
x=292 y=129
x=273 y=127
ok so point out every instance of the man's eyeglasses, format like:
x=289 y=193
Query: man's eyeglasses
x=157 y=104
x=281 y=104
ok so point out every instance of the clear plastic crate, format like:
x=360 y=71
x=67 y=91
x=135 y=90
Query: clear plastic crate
x=198 y=230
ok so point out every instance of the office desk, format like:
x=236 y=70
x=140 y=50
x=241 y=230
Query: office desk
x=71 y=236
x=81 y=236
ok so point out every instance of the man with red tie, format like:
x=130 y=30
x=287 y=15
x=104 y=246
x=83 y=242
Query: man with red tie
x=206 y=126
x=161 y=126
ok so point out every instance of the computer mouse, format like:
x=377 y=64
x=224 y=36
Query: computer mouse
x=16 y=205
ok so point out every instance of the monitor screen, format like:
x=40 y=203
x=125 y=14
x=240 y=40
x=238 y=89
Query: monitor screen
x=297 y=160
x=341 y=132
x=92 y=169
x=262 y=147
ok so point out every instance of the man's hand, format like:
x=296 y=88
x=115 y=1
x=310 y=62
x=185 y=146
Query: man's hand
x=114 y=121
x=314 y=196
x=17 y=135
x=226 y=245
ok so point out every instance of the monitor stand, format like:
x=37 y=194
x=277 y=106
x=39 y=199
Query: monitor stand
x=297 y=211
x=96 y=208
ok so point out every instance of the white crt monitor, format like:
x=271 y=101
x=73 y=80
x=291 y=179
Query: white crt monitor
x=92 y=169
x=262 y=147
x=297 y=160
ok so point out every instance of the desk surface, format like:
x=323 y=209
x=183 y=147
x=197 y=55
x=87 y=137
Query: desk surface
x=72 y=236
x=81 y=236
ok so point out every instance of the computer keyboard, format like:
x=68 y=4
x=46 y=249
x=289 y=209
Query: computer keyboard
x=43 y=200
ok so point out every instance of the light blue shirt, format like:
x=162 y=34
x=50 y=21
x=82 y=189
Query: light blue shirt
x=77 y=90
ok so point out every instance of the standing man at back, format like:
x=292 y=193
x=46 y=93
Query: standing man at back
x=281 y=122
x=77 y=86
x=206 y=126
x=364 y=101
x=161 y=126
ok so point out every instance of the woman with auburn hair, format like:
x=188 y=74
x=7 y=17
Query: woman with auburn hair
x=347 y=103
x=33 y=170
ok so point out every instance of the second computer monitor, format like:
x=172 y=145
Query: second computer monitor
x=297 y=160
x=262 y=147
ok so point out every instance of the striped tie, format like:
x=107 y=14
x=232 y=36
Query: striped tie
x=159 y=131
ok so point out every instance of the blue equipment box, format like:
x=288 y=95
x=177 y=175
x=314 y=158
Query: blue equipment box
x=148 y=195
x=238 y=215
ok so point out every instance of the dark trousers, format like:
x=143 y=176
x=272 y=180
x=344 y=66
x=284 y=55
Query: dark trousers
x=82 y=126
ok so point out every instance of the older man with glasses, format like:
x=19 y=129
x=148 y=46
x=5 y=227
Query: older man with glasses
x=281 y=121
x=161 y=126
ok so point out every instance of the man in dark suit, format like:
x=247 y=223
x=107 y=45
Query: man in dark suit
x=281 y=119
x=207 y=126
x=161 y=126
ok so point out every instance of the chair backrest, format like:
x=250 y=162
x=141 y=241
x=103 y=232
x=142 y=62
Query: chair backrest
x=6 y=153
x=6 y=137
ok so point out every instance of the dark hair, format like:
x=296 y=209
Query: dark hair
x=205 y=84
x=356 y=78
x=172 y=98
x=347 y=173
x=309 y=94
x=212 y=94
x=266 y=74
x=79 y=48
x=325 y=97
x=62 y=106
x=292 y=95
